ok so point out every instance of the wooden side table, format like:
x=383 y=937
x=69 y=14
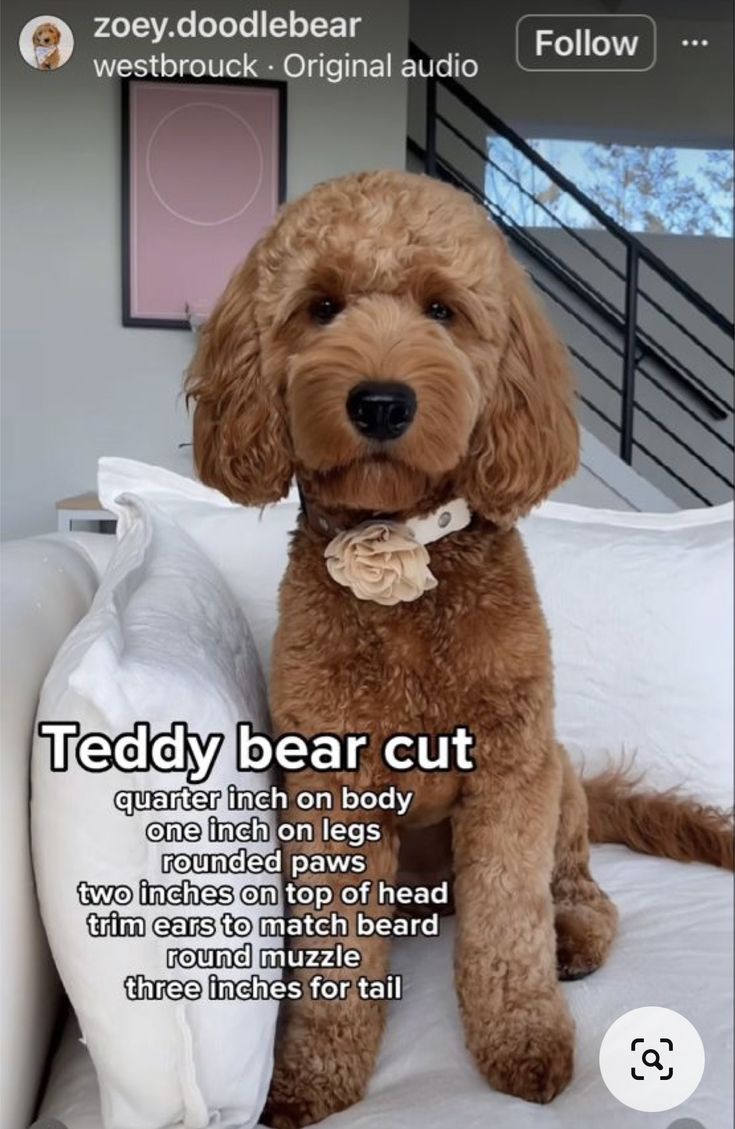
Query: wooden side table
x=83 y=507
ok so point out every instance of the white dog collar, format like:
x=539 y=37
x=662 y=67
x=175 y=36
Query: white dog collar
x=42 y=53
x=449 y=518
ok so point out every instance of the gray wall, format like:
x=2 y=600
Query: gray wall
x=76 y=384
x=603 y=481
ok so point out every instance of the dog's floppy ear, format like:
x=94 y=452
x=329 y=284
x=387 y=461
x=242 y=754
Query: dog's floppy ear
x=241 y=441
x=526 y=441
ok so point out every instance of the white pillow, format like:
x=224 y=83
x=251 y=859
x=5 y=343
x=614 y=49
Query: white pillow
x=164 y=641
x=248 y=544
x=640 y=609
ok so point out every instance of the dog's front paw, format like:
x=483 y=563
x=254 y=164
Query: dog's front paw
x=314 y=1086
x=308 y=1109
x=289 y=1115
x=298 y=1112
x=531 y=1055
x=284 y=1116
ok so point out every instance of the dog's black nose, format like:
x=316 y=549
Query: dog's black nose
x=381 y=409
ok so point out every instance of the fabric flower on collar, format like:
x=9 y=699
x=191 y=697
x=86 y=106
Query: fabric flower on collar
x=380 y=561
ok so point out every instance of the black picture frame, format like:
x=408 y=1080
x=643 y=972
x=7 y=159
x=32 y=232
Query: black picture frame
x=281 y=88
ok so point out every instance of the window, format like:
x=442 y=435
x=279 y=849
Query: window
x=653 y=189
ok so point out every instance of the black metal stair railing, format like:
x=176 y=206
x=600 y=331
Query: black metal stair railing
x=698 y=438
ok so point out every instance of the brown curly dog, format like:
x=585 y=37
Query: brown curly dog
x=381 y=345
x=46 y=40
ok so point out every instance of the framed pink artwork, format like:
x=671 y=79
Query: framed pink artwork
x=204 y=170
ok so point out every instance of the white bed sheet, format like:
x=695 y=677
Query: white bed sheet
x=675 y=950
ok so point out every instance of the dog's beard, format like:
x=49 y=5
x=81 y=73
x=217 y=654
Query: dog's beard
x=376 y=483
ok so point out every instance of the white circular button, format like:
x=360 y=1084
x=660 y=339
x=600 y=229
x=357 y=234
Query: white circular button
x=652 y=1059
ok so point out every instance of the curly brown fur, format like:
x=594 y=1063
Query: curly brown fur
x=494 y=424
x=667 y=824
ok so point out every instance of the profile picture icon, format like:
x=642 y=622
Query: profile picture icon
x=46 y=43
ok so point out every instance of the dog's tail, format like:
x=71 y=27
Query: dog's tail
x=667 y=824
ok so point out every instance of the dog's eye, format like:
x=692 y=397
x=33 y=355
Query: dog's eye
x=325 y=310
x=438 y=312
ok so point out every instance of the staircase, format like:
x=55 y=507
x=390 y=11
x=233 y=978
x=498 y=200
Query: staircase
x=654 y=357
